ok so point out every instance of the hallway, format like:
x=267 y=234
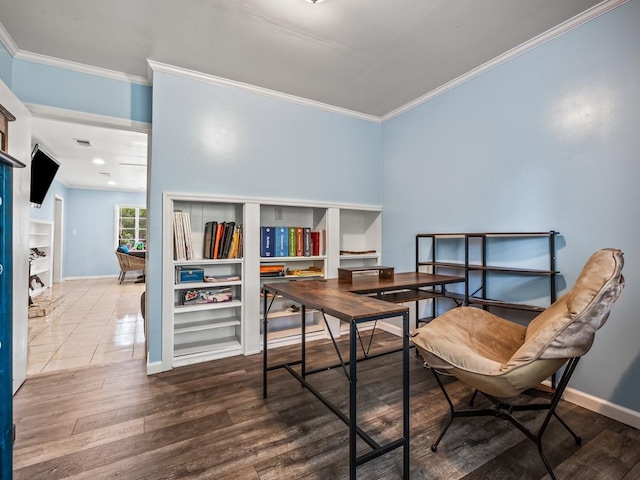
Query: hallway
x=97 y=322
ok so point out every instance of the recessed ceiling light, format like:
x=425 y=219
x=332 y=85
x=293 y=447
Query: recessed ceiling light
x=111 y=182
x=98 y=161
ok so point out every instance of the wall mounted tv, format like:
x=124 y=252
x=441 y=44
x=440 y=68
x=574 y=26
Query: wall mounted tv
x=43 y=170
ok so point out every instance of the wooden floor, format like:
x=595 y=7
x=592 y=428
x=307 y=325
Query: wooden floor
x=209 y=421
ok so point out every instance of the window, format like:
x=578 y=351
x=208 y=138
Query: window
x=132 y=226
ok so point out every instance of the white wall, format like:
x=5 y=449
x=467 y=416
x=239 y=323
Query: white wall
x=20 y=148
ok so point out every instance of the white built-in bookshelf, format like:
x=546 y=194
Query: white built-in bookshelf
x=200 y=332
x=40 y=256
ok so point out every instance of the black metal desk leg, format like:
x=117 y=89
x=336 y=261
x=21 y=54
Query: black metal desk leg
x=405 y=392
x=264 y=344
x=353 y=399
x=303 y=352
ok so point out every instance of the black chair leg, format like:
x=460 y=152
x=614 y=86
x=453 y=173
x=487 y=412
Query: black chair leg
x=504 y=410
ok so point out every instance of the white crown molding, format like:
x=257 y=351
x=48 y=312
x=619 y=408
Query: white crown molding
x=8 y=42
x=564 y=27
x=81 y=67
x=18 y=54
x=265 y=92
x=94 y=119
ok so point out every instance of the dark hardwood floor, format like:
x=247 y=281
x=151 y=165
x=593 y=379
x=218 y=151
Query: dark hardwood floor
x=209 y=421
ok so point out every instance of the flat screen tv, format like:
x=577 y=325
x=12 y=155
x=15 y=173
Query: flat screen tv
x=43 y=170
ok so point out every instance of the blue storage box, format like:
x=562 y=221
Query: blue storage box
x=192 y=274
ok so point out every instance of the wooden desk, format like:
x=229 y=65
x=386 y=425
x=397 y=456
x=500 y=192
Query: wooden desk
x=345 y=302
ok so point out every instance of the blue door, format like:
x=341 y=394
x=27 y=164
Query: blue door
x=6 y=320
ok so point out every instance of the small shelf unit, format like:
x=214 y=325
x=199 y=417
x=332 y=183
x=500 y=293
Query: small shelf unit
x=40 y=256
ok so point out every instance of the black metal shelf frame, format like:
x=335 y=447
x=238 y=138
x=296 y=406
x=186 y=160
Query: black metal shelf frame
x=479 y=296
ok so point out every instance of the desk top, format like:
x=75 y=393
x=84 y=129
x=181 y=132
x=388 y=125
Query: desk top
x=344 y=300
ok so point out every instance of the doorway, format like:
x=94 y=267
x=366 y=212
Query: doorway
x=102 y=163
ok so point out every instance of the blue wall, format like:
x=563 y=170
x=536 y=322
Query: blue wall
x=223 y=141
x=89 y=223
x=6 y=65
x=58 y=87
x=46 y=210
x=547 y=141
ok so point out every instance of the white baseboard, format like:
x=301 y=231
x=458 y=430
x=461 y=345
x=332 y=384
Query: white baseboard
x=90 y=277
x=603 y=407
x=154 y=367
x=390 y=328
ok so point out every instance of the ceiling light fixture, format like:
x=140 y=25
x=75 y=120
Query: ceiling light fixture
x=98 y=161
x=111 y=182
x=315 y=1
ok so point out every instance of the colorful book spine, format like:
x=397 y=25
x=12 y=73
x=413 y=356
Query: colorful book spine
x=315 y=243
x=292 y=241
x=299 y=241
x=267 y=237
x=306 y=235
x=282 y=242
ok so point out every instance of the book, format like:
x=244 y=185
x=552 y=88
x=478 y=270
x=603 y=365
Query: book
x=226 y=238
x=233 y=248
x=315 y=243
x=292 y=241
x=221 y=278
x=299 y=241
x=267 y=237
x=282 y=242
x=182 y=237
x=208 y=236
x=218 y=239
x=271 y=267
x=306 y=242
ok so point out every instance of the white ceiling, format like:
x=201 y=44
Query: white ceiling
x=124 y=154
x=367 y=56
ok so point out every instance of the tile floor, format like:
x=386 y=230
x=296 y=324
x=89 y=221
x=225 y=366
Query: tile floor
x=98 y=322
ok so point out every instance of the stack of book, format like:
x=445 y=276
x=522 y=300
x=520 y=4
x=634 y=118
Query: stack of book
x=291 y=242
x=182 y=238
x=222 y=240
x=272 y=270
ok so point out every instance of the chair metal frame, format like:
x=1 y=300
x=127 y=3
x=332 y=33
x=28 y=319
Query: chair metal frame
x=503 y=410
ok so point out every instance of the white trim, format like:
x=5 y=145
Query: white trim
x=154 y=367
x=265 y=92
x=535 y=42
x=89 y=277
x=80 y=67
x=603 y=407
x=8 y=42
x=93 y=119
x=191 y=197
x=390 y=328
